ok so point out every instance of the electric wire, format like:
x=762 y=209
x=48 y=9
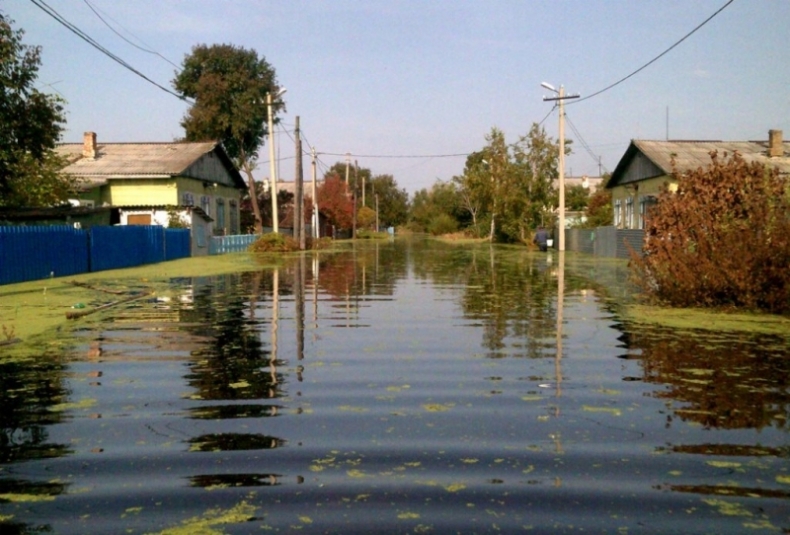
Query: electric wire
x=584 y=144
x=88 y=39
x=621 y=80
x=154 y=52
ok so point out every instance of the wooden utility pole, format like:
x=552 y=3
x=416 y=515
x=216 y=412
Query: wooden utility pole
x=298 y=191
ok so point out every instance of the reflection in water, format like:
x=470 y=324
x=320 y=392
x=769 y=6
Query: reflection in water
x=234 y=442
x=234 y=480
x=727 y=381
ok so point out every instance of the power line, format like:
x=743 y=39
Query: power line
x=396 y=156
x=154 y=52
x=618 y=82
x=594 y=156
x=88 y=39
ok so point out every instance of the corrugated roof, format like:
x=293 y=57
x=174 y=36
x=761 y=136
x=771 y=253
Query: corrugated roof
x=690 y=155
x=133 y=159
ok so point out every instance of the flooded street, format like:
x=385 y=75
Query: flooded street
x=400 y=387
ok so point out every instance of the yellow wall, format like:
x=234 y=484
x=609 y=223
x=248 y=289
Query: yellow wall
x=141 y=192
x=634 y=191
x=170 y=191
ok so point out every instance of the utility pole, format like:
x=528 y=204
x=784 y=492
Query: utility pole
x=298 y=191
x=561 y=97
x=316 y=233
x=377 y=212
x=354 y=197
x=272 y=166
x=348 y=163
x=363 y=190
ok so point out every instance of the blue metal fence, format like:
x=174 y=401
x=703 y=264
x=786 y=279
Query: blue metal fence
x=177 y=244
x=30 y=253
x=231 y=244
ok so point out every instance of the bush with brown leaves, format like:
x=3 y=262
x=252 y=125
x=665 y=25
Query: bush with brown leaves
x=722 y=240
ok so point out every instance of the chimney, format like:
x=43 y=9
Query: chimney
x=775 y=145
x=89 y=144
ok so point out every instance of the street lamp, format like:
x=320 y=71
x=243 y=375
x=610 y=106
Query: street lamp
x=561 y=97
x=272 y=166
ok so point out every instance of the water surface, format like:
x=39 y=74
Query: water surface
x=399 y=387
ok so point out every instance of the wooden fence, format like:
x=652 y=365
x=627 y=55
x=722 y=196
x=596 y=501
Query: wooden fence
x=32 y=253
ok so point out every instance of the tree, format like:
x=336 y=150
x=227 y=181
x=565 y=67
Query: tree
x=393 y=202
x=599 y=208
x=536 y=156
x=32 y=123
x=335 y=203
x=430 y=210
x=576 y=198
x=229 y=85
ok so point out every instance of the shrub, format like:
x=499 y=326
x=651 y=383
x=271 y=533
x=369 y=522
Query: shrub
x=274 y=242
x=442 y=224
x=721 y=240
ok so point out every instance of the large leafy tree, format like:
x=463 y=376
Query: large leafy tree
x=31 y=123
x=437 y=210
x=509 y=189
x=335 y=203
x=229 y=85
x=393 y=201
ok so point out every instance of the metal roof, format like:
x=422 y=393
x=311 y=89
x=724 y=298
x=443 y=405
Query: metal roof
x=133 y=159
x=691 y=155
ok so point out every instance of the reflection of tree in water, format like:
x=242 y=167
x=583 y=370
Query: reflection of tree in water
x=370 y=269
x=725 y=381
x=510 y=293
x=29 y=391
x=234 y=364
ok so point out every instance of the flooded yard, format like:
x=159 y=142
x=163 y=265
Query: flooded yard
x=398 y=387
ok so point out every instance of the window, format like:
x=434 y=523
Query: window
x=629 y=212
x=234 y=217
x=220 y=213
x=187 y=199
x=645 y=203
x=618 y=213
x=205 y=204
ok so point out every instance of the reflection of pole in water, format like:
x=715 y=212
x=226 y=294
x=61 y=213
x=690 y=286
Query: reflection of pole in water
x=299 y=297
x=275 y=320
x=315 y=296
x=557 y=437
x=560 y=300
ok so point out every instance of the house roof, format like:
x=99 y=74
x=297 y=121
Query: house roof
x=691 y=155
x=136 y=160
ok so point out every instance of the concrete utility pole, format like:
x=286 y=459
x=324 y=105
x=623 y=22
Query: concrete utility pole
x=298 y=191
x=316 y=233
x=348 y=164
x=561 y=97
x=272 y=163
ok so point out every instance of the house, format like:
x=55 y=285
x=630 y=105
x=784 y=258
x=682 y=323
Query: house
x=647 y=166
x=590 y=183
x=150 y=182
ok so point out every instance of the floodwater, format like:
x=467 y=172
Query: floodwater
x=400 y=387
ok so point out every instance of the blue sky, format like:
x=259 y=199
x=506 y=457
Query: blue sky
x=419 y=77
